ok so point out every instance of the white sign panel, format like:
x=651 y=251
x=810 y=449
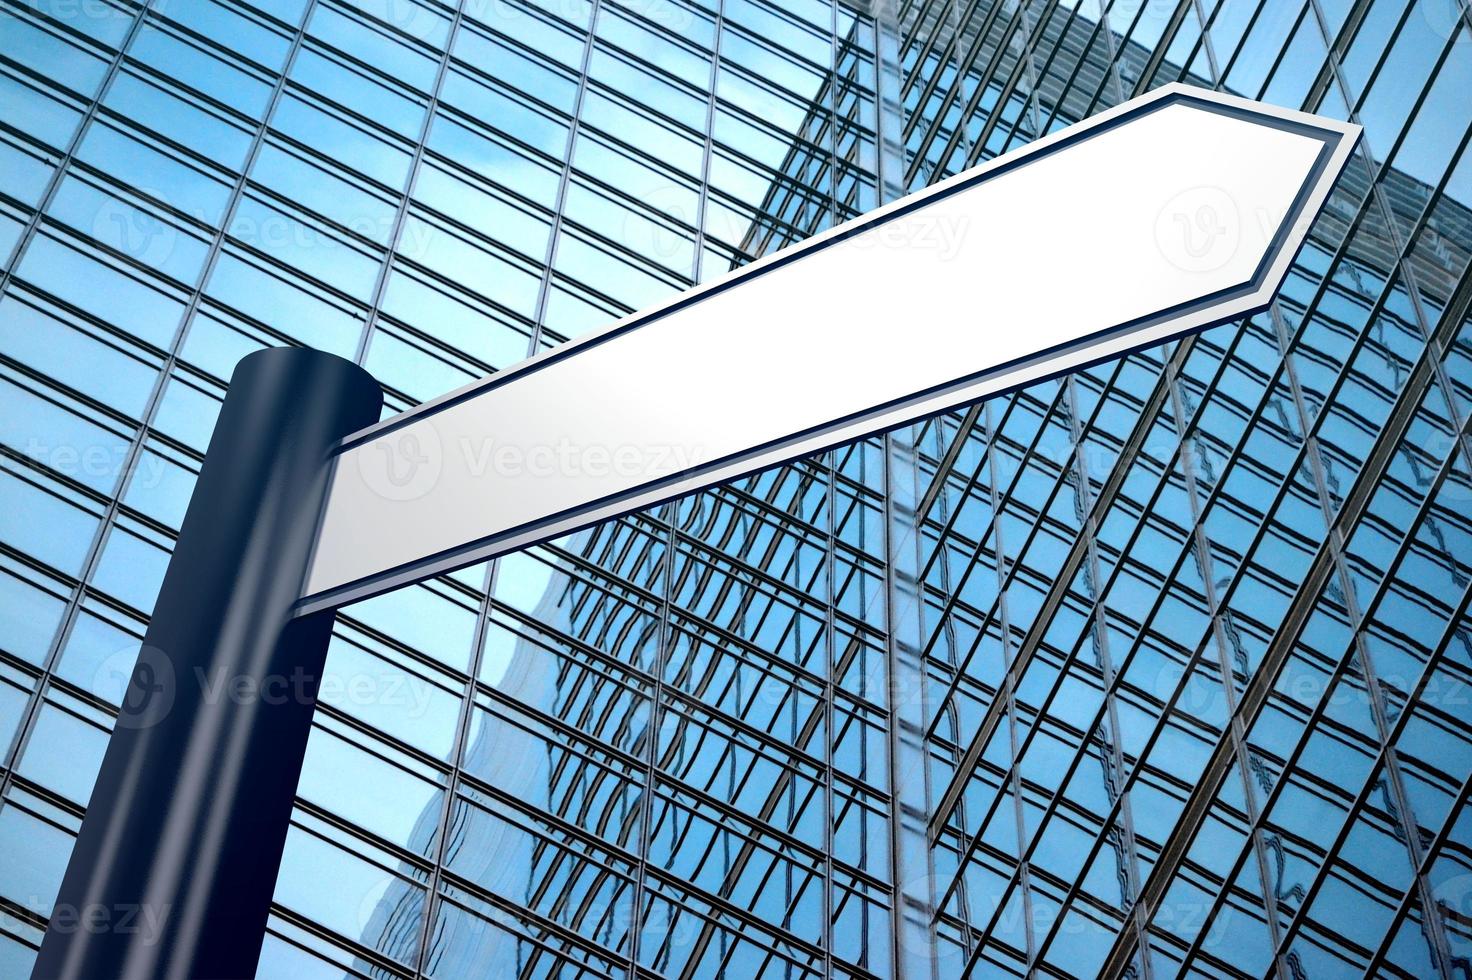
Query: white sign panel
x=1167 y=214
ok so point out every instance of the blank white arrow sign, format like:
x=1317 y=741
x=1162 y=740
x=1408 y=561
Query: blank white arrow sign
x=1164 y=215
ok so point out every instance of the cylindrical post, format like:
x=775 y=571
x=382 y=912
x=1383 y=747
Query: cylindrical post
x=172 y=874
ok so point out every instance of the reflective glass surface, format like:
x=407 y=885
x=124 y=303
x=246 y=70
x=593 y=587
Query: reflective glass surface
x=1160 y=669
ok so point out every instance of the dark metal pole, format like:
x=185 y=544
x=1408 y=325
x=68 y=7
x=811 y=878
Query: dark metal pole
x=172 y=874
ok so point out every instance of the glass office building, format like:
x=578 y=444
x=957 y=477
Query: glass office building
x=1160 y=669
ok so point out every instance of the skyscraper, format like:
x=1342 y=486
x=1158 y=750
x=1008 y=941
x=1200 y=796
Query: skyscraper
x=1158 y=669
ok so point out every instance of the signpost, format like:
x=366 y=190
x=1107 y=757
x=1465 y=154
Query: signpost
x=1167 y=214
x=1170 y=213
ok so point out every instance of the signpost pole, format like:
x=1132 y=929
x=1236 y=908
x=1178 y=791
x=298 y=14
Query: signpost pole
x=172 y=874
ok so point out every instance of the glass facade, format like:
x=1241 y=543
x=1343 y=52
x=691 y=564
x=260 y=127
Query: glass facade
x=1159 y=669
